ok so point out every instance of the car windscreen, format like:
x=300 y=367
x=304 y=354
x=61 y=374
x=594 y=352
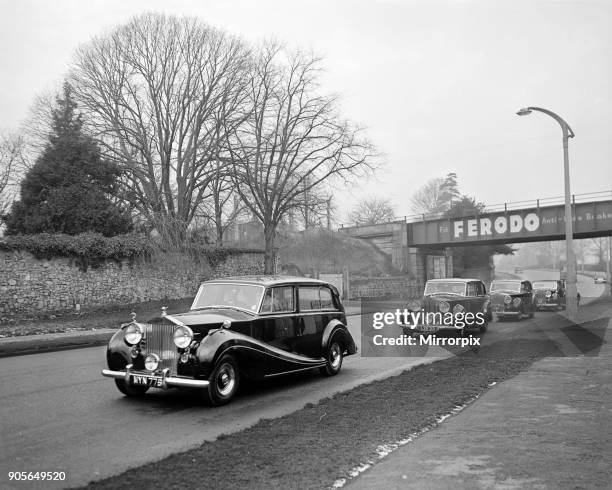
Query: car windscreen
x=545 y=285
x=229 y=295
x=505 y=286
x=445 y=287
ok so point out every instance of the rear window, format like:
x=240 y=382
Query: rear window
x=315 y=298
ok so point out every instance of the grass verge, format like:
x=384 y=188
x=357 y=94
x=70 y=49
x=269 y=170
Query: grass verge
x=314 y=446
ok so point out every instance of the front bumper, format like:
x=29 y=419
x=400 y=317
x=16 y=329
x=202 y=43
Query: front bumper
x=167 y=381
x=506 y=313
x=547 y=305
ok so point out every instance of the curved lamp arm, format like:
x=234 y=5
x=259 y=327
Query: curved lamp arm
x=564 y=126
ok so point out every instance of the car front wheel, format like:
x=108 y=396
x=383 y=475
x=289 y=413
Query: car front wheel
x=333 y=360
x=224 y=381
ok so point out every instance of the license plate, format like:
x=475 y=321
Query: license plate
x=428 y=328
x=143 y=380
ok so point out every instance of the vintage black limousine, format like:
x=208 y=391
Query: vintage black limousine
x=253 y=327
x=464 y=302
x=549 y=294
x=512 y=298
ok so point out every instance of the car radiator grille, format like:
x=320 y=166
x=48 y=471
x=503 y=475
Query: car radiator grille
x=159 y=340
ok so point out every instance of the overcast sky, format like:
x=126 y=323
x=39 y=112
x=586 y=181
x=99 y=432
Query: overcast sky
x=437 y=83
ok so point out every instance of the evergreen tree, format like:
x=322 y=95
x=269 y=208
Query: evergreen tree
x=70 y=189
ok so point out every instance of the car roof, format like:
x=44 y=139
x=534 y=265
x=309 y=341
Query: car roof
x=454 y=279
x=266 y=280
x=510 y=280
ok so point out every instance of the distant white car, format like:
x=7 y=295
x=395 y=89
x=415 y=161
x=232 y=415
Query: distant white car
x=600 y=280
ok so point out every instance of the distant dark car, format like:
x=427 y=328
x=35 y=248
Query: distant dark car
x=448 y=303
x=247 y=327
x=549 y=294
x=512 y=298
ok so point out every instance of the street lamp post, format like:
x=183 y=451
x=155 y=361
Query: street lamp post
x=571 y=294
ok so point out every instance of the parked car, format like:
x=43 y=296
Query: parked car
x=246 y=327
x=549 y=294
x=512 y=298
x=599 y=280
x=455 y=296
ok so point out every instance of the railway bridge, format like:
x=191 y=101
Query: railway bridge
x=422 y=244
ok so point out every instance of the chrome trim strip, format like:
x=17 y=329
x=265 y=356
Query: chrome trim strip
x=282 y=355
x=301 y=313
x=167 y=381
x=292 y=371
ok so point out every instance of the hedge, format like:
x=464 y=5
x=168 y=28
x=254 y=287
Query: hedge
x=95 y=247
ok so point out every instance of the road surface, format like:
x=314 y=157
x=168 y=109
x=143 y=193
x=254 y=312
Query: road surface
x=58 y=414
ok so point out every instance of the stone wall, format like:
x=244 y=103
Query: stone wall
x=31 y=286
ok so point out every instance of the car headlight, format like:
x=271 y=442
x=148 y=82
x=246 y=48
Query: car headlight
x=133 y=333
x=182 y=337
x=548 y=294
x=507 y=300
x=458 y=309
x=151 y=362
x=516 y=301
x=444 y=307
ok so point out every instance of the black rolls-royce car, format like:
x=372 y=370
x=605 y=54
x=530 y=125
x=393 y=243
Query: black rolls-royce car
x=549 y=294
x=451 y=304
x=253 y=327
x=512 y=298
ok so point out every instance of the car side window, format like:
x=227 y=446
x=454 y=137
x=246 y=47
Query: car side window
x=471 y=289
x=327 y=301
x=481 y=290
x=278 y=300
x=309 y=298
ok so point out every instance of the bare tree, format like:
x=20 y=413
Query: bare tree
x=158 y=94
x=600 y=249
x=372 y=210
x=291 y=141
x=11 y=168
x=223 y=206
x=436 y=195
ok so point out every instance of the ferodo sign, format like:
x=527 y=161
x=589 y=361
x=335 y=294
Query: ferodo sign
x=590 y=219
x=483 y=227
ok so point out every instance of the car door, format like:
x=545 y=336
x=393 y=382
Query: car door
x=278 y=317
x=527 y=296
x=317 y=308
x=475 y=301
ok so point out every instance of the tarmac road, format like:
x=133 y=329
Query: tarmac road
x=58 y=414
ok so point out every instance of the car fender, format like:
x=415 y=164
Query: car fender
x=118 y=353
x=336 y=329
x=249 y=352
